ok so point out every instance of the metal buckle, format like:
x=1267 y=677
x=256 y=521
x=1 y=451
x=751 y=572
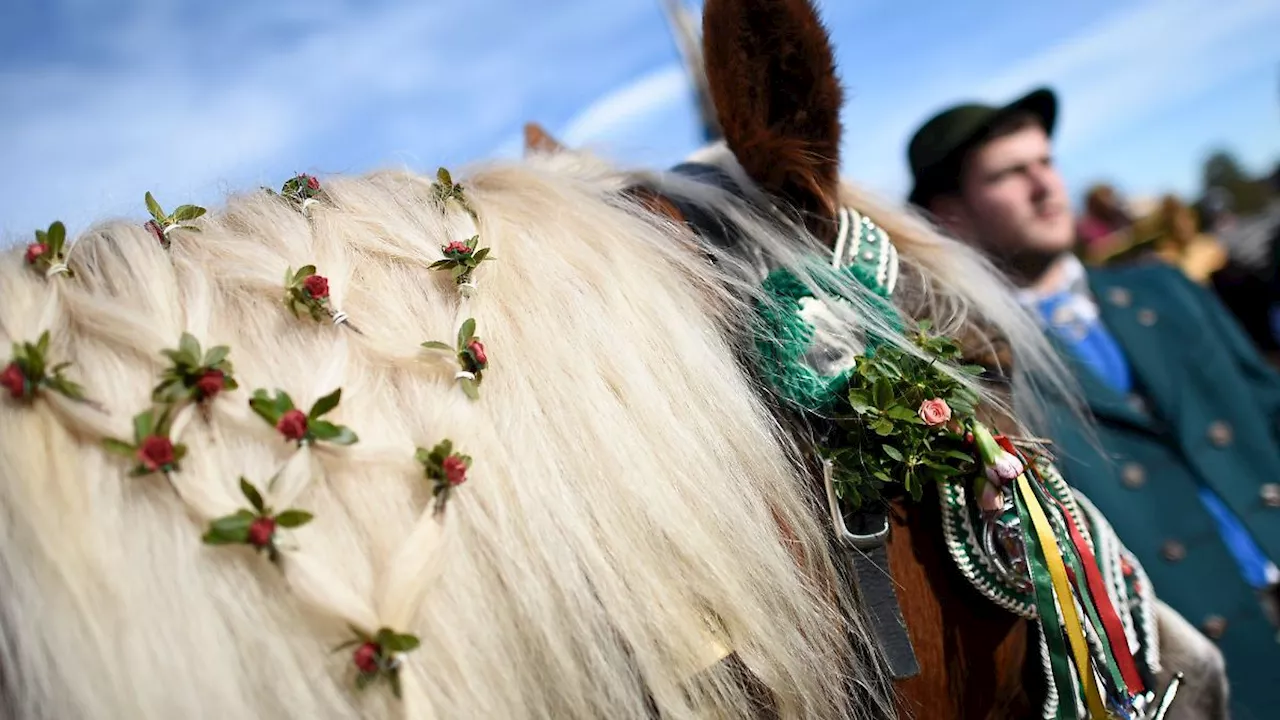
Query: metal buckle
x=843 y=535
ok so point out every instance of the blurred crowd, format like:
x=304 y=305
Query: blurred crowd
x=1115 y=231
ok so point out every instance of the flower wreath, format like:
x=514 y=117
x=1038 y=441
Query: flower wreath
x=196 y=380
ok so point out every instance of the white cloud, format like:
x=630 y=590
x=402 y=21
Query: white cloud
x=622 y=108
x=629 y=121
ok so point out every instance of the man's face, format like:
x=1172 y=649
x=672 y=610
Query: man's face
x=1012 y=200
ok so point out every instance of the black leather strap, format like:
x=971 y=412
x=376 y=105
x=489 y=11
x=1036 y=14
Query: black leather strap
x=880 y=601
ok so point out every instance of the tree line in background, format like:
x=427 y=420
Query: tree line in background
x=1224 y=178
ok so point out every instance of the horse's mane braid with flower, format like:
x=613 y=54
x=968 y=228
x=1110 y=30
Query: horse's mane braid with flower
x=192 y=391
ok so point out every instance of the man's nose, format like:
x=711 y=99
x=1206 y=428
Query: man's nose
x=1043 y=180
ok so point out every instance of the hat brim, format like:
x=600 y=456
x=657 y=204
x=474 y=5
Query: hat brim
x=1041 y=103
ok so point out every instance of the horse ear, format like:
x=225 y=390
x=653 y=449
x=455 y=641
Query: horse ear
x=538 y=140
x=773 y=80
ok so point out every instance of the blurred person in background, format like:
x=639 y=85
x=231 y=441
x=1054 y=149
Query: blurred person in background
x=1102 y=227
x=1178 y=241
x=1184 y=456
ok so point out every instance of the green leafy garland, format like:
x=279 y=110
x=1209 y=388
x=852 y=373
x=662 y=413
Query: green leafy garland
x=905 y=421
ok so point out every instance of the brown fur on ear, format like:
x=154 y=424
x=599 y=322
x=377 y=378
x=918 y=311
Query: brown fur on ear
x=772 y=76
x=538 y=140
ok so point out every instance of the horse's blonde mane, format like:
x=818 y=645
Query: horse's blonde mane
x=629 y=489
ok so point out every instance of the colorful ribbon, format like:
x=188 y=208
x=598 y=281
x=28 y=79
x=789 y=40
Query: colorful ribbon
x=1061 y=586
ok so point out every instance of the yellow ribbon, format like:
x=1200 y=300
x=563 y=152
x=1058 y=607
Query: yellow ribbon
x=1062 y=589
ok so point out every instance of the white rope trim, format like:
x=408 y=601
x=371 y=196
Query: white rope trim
x=467 y=289
x=168 y=228
x=892 y=282
x=307 y=203
x=464 y=375
x=57 y=269
x=842 y=237
x=339 y=318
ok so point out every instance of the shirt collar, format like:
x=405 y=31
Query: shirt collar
x=1072 y=281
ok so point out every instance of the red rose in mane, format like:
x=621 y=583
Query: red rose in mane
x=293 y=424
x=317 y=286
x=455 y=470
x=13 y=380
x=156 y=453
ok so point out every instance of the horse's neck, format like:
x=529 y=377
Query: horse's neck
x=972 y=654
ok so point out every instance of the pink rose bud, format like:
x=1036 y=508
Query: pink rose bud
x=366 y=658
x=261 y=531
x=154 y=228
x=1005 y=468
x=455 y=470
x=34 y=251
x=457 y=248
x=477 y=351
x=991 y=500
x=934 y=412
x=312 y=182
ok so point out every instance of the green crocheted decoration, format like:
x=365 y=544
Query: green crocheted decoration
x=785 y=336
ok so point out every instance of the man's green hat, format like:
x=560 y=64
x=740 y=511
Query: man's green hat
x=938 y=148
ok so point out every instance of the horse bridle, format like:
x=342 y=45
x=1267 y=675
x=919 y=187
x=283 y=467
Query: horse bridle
x=864 y=547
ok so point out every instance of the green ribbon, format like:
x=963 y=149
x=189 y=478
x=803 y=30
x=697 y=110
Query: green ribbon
x=1050 y=624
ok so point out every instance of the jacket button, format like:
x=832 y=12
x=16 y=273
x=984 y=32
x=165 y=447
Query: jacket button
x=1147 y=317
x=1134 y=476
x=1173 y=551
x=1220 y=434
x=1270 y=493
x=1214 y=627
x=1119 y=297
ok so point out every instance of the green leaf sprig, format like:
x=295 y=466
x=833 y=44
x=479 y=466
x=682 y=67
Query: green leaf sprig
x=161 y=223
x=151 y=446
x=446 y=189
x=471 y=355
x=50 y=250
x=882 y=439
x=29 y=371
x=303 y=428
x=193 y=374
x=446 y=468
x=462 y=258
x=377 y=657
x=256 y=525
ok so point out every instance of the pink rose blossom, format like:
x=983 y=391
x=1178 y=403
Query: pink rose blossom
x=934 y=412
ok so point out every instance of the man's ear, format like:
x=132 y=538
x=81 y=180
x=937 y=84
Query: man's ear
x=538 y=140
x=773 y=80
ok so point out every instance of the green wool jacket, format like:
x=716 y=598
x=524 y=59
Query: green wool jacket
x=1207 y=411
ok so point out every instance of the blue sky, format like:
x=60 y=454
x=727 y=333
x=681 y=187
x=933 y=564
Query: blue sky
x=102 y=100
